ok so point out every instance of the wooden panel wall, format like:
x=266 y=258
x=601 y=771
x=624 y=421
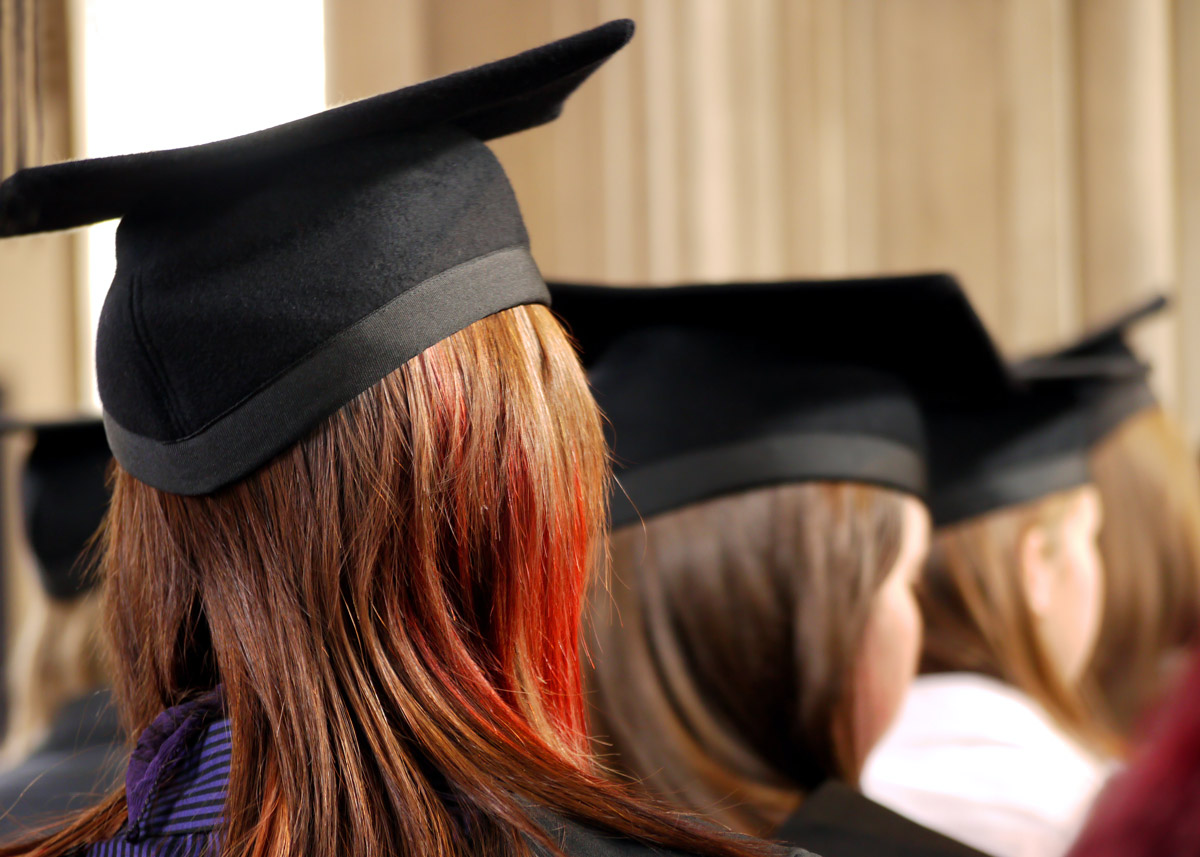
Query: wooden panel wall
x=40 y=304
x=1041 y=149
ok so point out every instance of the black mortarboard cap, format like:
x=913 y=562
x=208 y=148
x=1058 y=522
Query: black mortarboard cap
x=1016 y=449
x=63 y=500
x=1120 y=387
x=715 y=389
x=264 y=281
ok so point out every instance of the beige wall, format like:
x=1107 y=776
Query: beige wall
x=1028 y=145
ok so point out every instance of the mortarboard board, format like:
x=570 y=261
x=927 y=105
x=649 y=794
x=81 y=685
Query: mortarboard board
x=264 y=281
x=715 y=389
x=1120 y=388
x=63 y=497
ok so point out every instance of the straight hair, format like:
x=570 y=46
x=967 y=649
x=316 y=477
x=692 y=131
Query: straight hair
x=722 y=667
x=978 y=618
x=1150 y=543
x=391 y=607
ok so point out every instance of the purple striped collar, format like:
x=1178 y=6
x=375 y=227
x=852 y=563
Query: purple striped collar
x=179 y=772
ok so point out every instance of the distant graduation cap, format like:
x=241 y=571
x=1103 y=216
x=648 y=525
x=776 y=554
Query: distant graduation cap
x=266 y=280
x=1035 y=441
x=63 y=500
x=1119 y=386
x=716 y=389
x=1020 y=448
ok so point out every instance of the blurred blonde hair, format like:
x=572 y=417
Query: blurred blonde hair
x=1150 y=542
x=978 y=617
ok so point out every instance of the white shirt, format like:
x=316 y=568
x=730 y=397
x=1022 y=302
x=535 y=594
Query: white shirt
x=983 y=763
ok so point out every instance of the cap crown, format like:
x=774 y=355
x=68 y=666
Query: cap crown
x=714 y=389
x=266 y=280
x=214 y=299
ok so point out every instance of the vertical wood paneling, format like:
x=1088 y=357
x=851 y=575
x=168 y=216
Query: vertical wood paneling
x=372 y=46
x=571 y=152
x=625 y=234
x=1127 y=209
x=814 y=126
x=39 y=311
x=939 y=97
x=1024 y=144
x=1186 y=28
x=859 y=46
x=758 y=128
x=657 y=42
x=713 y=223
x=1038 y=284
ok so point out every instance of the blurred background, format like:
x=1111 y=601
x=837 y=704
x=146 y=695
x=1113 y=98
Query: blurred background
x=1045 y=151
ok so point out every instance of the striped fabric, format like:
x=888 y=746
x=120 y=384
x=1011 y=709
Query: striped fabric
x=176 y=783
x=176 y=786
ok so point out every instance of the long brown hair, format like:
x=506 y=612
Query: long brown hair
x=978 y=617
x=392 y=608
x=722 y=665
x=1150 y=543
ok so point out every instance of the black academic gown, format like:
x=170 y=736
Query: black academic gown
x=81 y=760
x=838 y=821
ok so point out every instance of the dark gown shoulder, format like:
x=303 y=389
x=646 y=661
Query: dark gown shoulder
x=839 y=821
x=577 y=840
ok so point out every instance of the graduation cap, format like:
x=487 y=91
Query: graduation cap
x=1018 y=448
x=63 y=499
x=1119 y=386
x=1035 y=442
x=715 y=389
x=265 y=280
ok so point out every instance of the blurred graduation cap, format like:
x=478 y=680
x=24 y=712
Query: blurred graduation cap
x=265 y=280
x=1119 y=386
x=715 y=389
x=1019 y=448
x=1036 y=441
x=63 y=499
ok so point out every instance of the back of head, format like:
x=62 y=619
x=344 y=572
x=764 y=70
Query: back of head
x=389 y=604
x=772 y=435
x=1150 y=542
x=392 y=609
x=723 y=664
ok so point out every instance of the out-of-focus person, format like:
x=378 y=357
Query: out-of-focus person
x=1148 y=481
x=994 y=745
x=64 y=734
x=768 y=531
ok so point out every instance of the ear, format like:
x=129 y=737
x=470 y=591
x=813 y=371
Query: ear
x=1037 y=571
